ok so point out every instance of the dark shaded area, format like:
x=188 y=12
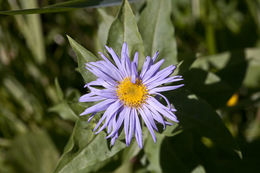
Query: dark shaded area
x=184 y=152
x=230 y=78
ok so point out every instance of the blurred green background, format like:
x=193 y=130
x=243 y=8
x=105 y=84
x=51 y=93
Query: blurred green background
x=39 y=86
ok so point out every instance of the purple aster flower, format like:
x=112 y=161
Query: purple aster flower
x=125 y=95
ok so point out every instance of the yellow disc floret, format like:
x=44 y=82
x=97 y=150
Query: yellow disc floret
x=132 y=94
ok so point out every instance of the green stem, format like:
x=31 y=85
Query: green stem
x=210 y=38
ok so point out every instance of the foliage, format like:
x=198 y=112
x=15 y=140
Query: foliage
x=215 y=46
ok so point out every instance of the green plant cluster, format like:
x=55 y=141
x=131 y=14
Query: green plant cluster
x=215 y=45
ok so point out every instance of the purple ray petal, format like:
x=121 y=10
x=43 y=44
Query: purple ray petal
x=161 y=74
x=114 y=139
x=91 y=116
x=149 y=116
x=128 y=65
x=126 y=125
x=156 y=115
x=114 y=121
x=104 y=67
x=147 y=123
x=109 y=126
x=98 y=107
x=101 y=75
x=146 y=66
x=164 y=81
x=168 y=123
x=152 y=70
x=99 y=82
x=136 y=59
x=109 y=113
x=114 y=56
x=105 y=93
x=110 y=65
x=154 y=103
x=155 y=56
x=132 y=124
x=119 y=122
x=138 y=131
x=167 y=101
x=165 y=88
x=134 y=74
x=90 y=98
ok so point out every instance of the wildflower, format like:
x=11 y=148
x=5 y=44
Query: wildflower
x=126 y=95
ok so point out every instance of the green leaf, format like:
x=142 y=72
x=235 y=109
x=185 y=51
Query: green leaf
x=131 y=151
x=199 y=169
x=157 y=30
x=153 y=150
x=105 y=22
x=64 y=6
x=33 y=152
x=85 y=151
x=66 y=106
x=197 y=115
x=83 y=56
x=65 y=111
x=124 y=29
x=252 y=78
x=58 y=90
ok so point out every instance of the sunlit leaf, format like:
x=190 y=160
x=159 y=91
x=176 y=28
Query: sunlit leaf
x=157 y=30
x=103 y=29
x=83 y=56
x=199 y=169
x=85 y=151
x=252 y=78
x=64 y=110
x=153 y=150
x=124 y=29
x=58 y=90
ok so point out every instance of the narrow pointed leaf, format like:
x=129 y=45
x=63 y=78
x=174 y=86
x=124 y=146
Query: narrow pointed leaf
x=64 y=6
x=105 y=22
x=157 y=30
x=124 y=29
x=85 y=151
x=83 y=56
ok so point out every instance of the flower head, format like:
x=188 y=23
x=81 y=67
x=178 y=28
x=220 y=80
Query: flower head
x=125 y=95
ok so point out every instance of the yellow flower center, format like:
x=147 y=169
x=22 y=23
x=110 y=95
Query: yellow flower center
x=132 y=94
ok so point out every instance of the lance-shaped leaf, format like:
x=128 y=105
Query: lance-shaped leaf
x=83 y=56
x=105 y=21
x=85 y=151
x=124 y=29
x=157 y=30
x=64 y=6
